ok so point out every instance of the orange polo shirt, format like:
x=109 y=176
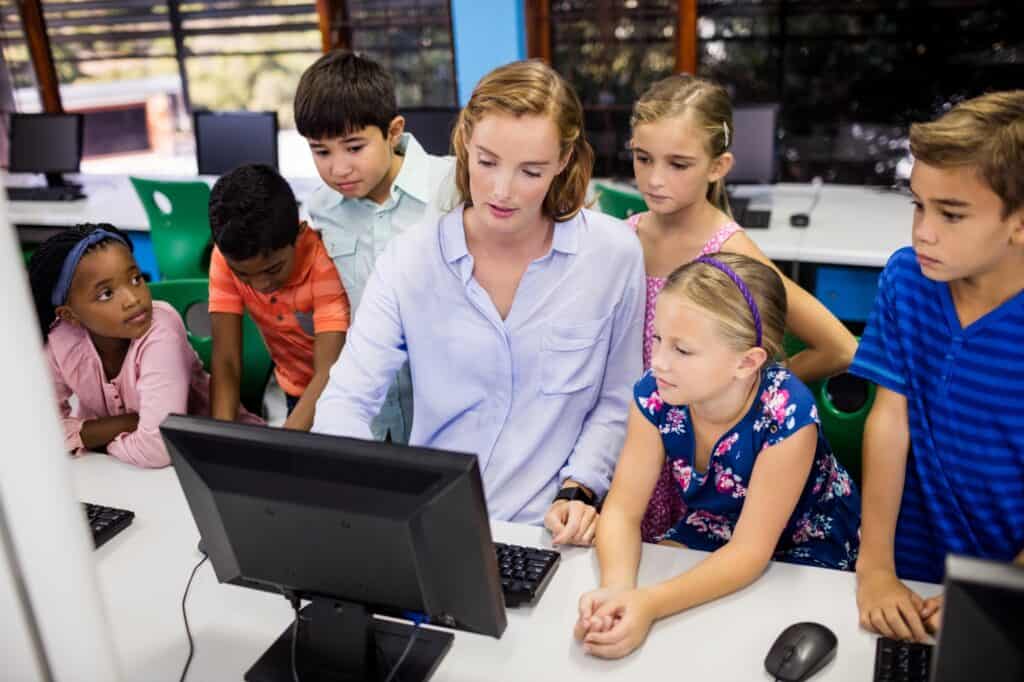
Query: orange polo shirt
x=312 y=301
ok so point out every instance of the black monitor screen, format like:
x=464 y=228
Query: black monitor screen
x=432 y=127
x=982 y=634
x=228 y=139
x=395 y=528
x=754 y=145
x=45 y=143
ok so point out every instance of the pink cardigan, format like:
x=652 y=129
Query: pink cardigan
x=161 y=374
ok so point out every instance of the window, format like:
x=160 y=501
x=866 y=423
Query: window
x=412 y=39
x=851 y=76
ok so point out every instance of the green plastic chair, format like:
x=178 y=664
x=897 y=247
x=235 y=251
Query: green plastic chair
x=844 y=428
x=184 y=294
x=181 y=234
x=618 y=203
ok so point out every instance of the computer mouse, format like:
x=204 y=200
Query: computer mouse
x=201 y=547
x=800 y=651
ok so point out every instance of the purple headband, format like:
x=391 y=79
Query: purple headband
x=748 y=297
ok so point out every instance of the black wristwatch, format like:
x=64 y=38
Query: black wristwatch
x=575 y=492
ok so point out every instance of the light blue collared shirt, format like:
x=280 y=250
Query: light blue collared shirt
x=539 y=397
x=355 y=232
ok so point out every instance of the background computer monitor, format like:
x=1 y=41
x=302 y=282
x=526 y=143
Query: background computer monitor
x=432 y=127
x=228 y=139
x=753 y=146
x=982 y=634
x=52 y=617
x=46 y=143
x=371 y=526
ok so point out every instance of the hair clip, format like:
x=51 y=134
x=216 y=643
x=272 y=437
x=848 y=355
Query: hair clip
x=725 y=129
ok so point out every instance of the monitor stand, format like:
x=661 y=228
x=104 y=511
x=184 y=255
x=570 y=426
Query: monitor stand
x=57 y=180
x=342 y=641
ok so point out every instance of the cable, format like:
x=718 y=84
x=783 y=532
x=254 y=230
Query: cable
x=184 y=615
x=295 y=638
x=408 y=648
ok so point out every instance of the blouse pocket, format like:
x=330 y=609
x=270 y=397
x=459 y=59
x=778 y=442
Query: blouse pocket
x=573 y=356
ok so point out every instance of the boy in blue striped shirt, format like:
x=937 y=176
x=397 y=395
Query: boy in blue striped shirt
x=944 y=443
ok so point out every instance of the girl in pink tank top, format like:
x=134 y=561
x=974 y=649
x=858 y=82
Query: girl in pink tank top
x=682 y=134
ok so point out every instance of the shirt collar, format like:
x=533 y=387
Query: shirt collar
x=566 y=238
x=414 y=176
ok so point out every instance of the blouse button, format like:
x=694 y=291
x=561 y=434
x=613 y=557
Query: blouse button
x=280 y=318
x=773 y=428
x=273 y=299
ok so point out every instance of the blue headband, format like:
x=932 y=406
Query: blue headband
x=742 y=286
x=67 y=271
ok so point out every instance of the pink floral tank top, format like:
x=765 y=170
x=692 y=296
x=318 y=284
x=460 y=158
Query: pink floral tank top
x=656 y=284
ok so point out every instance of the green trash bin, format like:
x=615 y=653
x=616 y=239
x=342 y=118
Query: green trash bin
x=844 y=402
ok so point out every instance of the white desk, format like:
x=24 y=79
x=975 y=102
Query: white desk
x=850 y=224
x=143 y=572
x=108 y=199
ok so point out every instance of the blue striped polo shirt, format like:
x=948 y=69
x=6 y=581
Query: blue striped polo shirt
x=964 y=489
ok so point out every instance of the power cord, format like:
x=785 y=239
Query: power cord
x=408 y=648
x=295 y=600
x=184 y=616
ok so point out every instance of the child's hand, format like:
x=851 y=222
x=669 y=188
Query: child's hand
x=590 y=602
x=931 y=614
x=622 y=623
x=889 y=607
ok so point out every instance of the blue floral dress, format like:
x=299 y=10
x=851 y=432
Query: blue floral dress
x=823 y=530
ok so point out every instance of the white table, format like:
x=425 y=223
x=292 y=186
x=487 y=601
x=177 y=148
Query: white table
x=849 y=224
x=108 y=199
x=143 y=572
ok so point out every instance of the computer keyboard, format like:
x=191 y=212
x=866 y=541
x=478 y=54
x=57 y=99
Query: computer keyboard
x=897 y=661
x=525 y=572
x=106 y=522
x=44 y=194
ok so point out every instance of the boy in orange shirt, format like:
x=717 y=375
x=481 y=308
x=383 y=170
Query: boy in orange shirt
x=267 y=262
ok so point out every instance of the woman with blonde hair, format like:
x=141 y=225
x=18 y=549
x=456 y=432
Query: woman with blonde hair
x=519 y=312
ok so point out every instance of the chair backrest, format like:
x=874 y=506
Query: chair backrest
x=179 y=225
x=844 y=402
x=618 y=203
x=190 y=297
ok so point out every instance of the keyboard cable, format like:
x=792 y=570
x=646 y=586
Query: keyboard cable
x=184 y=615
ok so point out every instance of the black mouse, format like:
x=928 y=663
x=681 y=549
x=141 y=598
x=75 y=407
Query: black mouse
x=201 y=547
x=800 y=651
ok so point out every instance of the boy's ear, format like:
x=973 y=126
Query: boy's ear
x=65 y=314
x=721 y=166
x=1017 y=227
x=395 y=129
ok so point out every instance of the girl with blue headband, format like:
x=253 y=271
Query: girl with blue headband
x=754 y=474
x=125 y=357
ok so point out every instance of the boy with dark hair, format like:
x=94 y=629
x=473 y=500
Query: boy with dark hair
x=944 y=442
x=267 y=262
x=378 y=181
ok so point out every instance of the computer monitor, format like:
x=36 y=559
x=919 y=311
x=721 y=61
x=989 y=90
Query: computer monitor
x=753 y=146
x=53 y=623
x=982 y=633
x=356 y=527
x=228 y=139
x=432 y=127
x=46 y=143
